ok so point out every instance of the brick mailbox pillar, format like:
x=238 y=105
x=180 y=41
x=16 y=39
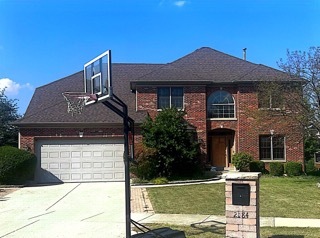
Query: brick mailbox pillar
x=242 y=205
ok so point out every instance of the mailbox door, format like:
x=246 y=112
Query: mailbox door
x=240 y=194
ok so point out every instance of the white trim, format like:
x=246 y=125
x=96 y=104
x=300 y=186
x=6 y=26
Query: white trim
x=19 y=140
x=136 y=100
x=98 y=57
x=272 y=161
x=223 y=119
x=271 y=148
x=109 y=78
x=220 y=104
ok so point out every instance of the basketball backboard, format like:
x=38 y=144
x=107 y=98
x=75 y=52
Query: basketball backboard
x=97 y=77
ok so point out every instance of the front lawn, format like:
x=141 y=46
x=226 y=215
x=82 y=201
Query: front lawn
x=296 y=197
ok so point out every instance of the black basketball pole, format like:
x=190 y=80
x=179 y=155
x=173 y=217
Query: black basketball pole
x=128 y=125
x=127 y=171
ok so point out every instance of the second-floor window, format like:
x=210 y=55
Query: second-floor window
x=170 y=97
x=270 y=100
x=270 y=95
x=221 y=105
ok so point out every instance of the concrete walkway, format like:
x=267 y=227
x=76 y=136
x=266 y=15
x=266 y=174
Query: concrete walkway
x=209 y=220
x=142 y=212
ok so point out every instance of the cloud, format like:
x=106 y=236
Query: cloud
x=11 y=87
x=180 y=3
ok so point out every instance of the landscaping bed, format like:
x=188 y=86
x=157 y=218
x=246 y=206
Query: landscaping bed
x=5 y=191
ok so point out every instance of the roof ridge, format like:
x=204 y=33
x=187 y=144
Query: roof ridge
x=214 y=50
x=138 y=63
x=55 y=81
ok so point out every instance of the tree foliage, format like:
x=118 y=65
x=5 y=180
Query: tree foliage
x=306 y=65
x=8 y=114
x=176 y=147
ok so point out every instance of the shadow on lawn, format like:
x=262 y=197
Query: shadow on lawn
x=286 y=236
x=210 y=226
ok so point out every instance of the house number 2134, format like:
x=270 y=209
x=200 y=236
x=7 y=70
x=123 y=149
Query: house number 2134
x=243 y=215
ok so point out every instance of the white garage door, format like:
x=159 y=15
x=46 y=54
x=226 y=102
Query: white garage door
x=80 y=160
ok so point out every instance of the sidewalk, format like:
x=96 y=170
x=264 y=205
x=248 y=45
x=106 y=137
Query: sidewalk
x=210 y=220
x=142 y=212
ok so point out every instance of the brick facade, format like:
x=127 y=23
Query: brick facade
x=29 y=136
x=246 y=127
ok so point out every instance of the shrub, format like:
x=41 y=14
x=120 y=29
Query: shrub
x=177 y=147
x=276 y=169
x=242 y=161
x=257 y=166
x=144 y=166
x=160 y=180
x=16 y=166
x=310 y=167
x=293 y=168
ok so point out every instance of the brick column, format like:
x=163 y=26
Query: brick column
x=242 y=211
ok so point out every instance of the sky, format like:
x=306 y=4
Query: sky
x=44 y=40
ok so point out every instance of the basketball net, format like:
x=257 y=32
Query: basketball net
x=77 y=100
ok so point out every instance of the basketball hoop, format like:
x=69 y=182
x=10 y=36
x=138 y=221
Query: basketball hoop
x=77 y=100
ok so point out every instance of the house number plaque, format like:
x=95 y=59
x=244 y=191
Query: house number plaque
x=243 y=215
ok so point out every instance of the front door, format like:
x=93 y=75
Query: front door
x=221 y=150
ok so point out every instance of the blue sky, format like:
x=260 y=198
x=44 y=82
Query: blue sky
x=44 y=40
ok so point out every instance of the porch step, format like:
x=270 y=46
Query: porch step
x=224 y=173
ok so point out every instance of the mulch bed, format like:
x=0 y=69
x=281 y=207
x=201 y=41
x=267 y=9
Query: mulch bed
x=5 y=191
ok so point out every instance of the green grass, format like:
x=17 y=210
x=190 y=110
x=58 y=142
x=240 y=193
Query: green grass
x=296 y=197
x=188 y=199
x=266 y=232
x=290 y=197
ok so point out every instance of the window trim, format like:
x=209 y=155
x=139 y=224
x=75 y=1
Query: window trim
x=271 y=149
x=220 y=104
x=170 y=97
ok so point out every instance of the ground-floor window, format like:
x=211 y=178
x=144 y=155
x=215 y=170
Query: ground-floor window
x=272 y=147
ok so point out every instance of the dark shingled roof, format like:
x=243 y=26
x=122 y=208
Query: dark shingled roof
x=48 y=106
x=203 y=66
x=207 y=65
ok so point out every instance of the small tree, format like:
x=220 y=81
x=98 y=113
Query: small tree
x=176 y=148
x=8 y=114
x=306 y=66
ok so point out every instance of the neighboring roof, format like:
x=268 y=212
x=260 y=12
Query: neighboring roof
x=203 y=66
x=208 y=66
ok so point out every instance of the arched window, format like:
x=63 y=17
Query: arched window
x=220 y=105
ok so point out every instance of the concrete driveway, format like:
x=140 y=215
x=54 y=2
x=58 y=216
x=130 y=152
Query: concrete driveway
x=64 y=210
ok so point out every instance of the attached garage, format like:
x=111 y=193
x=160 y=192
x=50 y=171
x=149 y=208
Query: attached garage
x=79 y=160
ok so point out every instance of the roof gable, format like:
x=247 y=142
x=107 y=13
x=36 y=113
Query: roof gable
x=212 y=66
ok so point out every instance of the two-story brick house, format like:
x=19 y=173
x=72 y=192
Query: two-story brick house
x=217 y=91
